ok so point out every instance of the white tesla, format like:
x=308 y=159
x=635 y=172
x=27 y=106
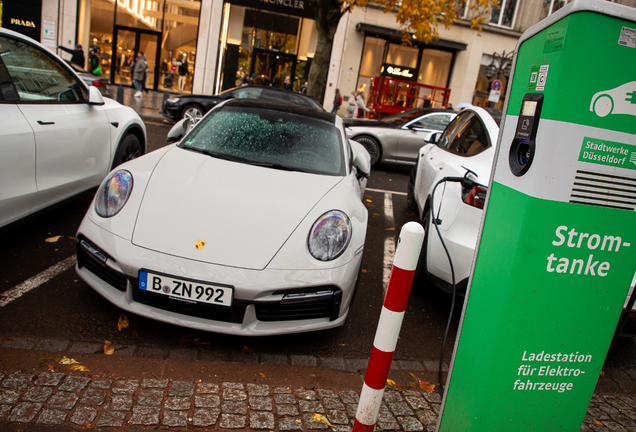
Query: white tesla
x=252 y=224
x=58 y=137
x=466 y=146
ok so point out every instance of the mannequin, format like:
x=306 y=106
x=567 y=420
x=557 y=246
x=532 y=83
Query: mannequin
x=183 y=72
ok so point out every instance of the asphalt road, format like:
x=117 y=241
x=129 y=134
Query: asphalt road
x=66 y=308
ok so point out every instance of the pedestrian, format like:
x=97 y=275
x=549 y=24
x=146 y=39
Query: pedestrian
x=288 y=85
x=362 y=108
x=182 y=70
x=94 y=63
x=139 y=73
x=275 y=82
x=77 y=55
x=303 y=89
x=337 y=101
x=250 y=80
x=352 y=107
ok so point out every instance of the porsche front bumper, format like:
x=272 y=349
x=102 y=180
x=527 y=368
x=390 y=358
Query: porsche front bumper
x=266 y=302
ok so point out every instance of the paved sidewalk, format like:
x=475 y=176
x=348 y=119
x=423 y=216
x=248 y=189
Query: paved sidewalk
x=142 y=388
x=148 y=106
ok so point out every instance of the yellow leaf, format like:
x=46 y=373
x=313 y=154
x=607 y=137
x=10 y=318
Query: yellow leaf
x=298 y=421
x=598 y=422
x=109 y=349
x=391 y=229
x=363 y=270
x=368 y=200
x=321 y=419
x=67 y=360
x=51 y=368
x=90 y=426
x=262 y=374
x=52 y=239
x=602 y=373
x=123 y=322
x=392 y=385
x=78 y=367
x=427 y=386
x=246 y=350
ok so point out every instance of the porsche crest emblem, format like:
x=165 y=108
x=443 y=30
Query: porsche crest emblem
x=199 y=244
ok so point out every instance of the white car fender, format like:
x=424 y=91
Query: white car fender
x=338 y=198
x=122 y=118
x=123 y=223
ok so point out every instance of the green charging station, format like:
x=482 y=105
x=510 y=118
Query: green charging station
x=557 y=250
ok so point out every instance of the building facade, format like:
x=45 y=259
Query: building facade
x=206 y=46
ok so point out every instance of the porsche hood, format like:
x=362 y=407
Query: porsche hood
x=221 y=212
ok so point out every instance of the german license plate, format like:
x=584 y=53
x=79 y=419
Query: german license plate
x=185 y=289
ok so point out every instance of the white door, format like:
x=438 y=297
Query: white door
x=72 y=138
x=17 y=163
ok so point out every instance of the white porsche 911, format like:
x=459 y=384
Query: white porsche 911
x=252 y=224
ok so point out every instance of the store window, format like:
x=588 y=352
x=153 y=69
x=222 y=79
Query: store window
x=402 y=55
x=101 y=35
x=504 y=13
x=435 y=67
x=144 y=14
x=179 y=43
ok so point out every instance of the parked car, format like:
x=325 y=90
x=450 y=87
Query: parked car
x=253 y=224
x=102 y=84
x=58 y=136
x=195 y=106
x=467 y=144
x=398 y=138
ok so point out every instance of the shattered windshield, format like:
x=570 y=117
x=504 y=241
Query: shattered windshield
x=270 y=138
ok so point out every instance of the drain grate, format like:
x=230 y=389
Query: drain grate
x=604 y=190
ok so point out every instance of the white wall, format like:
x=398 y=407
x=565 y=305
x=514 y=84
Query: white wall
x=208 y=47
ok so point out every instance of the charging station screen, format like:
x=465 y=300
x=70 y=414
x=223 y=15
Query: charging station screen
x=529 y=108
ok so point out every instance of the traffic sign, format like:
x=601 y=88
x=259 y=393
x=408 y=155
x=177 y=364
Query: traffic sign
x=496 y=85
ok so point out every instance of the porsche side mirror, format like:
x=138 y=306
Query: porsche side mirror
x=179 y=130
x=434 y=138
x=94 y=96
x=361 y=159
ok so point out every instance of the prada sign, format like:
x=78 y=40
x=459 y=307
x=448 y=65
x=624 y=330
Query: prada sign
x=24 y=16
x=398 y=72
x=299 y=8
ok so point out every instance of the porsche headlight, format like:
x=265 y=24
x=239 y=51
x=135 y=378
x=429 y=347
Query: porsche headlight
x=329 y=236
x=113 y=193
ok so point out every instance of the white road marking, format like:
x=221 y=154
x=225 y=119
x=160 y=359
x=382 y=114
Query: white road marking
x=37 y=280
x=385 y=191
x=389 y=241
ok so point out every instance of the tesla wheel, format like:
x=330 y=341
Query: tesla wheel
x=603 y=105
x=129 y=148
x=372 y=146
x=419 y=278
x=410 y=191
x=192 y=112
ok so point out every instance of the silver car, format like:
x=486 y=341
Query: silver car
x=398 y=138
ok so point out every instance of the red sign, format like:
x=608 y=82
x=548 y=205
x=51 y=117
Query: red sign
x=496 y=85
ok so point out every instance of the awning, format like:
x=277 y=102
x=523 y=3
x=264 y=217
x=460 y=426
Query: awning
x=394 y=35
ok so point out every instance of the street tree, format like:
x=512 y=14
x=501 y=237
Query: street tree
x=420 y=17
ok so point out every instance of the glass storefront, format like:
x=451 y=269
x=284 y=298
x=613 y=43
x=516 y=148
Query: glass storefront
x=265 y=46
x=165 y=31
x=433 y=69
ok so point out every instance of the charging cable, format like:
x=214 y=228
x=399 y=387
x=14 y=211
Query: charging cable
x=436 y=221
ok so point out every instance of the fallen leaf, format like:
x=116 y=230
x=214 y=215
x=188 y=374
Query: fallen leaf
x=123 y=322
x=90 y=426
x=321 y=419
x=109 y=349
x=72 y=238
x=298 y=421
x=392 y=385
x=52 y=239
x=602 y=373
x=363 y=270
x=415 y=377
x=66 y=360
x=78 y=367
x=51 y=368
x=427 y=386
x=368 y=200
x=246 y=350
x=262 y=374
x=391 y=229
x=8 y=339
x=598 y=422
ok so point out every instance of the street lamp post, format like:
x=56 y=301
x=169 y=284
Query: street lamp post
x=501 y=64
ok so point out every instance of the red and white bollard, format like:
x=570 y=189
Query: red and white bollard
x=386 y=336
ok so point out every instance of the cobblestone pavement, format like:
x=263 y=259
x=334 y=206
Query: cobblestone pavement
x=55 y=398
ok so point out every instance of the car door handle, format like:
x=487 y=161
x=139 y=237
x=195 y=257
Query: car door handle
x=44 y=123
